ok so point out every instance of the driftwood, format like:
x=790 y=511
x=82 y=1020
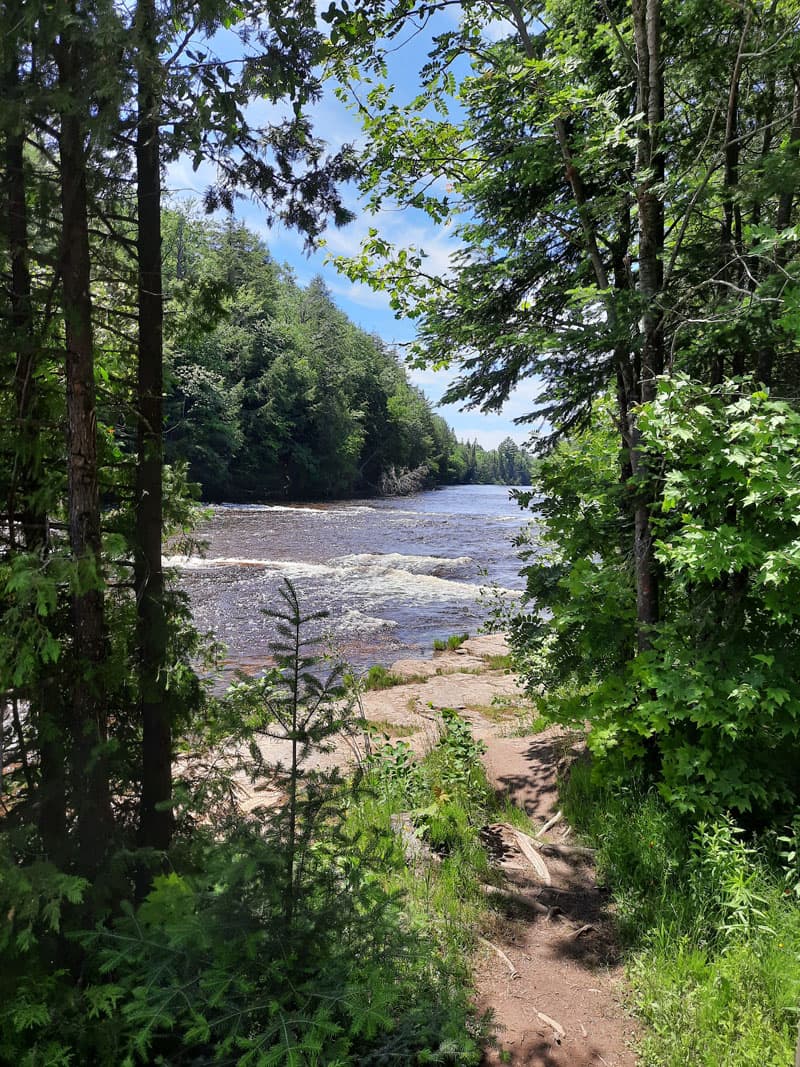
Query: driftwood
x=559 y=815
x=527 y=847
x=557 y=1028
x=522 y=900
x=530 y=854
x=512 y=969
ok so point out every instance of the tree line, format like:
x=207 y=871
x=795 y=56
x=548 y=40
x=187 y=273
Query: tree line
x=96 y=100
x=272 y=392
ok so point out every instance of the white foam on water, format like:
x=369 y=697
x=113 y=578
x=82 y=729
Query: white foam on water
x=354 y=621
x=321 y=509
x=290 y=567
x=409 y=587
x=386 y=561
x=368 y=576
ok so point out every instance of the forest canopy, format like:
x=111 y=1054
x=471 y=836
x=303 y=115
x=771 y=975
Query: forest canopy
x=273 y=392
x=623 y=182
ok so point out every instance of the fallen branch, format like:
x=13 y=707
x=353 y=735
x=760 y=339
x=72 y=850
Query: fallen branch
x=559 y=815
x=528 y=850
x=526 y=845
x=566 y=850
x=557 y=1027
x=520 y=899
x=512 y=969
x=583 y=930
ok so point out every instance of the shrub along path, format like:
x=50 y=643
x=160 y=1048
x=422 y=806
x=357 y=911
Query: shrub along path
x=563 y=1007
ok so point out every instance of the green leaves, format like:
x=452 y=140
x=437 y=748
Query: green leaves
x=716 y=697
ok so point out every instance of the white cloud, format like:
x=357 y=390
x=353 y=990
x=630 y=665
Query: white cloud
x=360 y=294
x=183 y=181
x=403 y=228
x=498 y=29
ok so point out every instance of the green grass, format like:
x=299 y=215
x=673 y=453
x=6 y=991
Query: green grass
x=449 y=644
x=378 y=677
x=712 y=938
x=520 y=714
x=448 y=798
x=391 y=729
x=503 y=662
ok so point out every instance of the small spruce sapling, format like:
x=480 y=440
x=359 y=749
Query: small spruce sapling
x=292 y=710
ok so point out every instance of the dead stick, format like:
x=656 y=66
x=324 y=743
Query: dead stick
x=513 y=970
x=526 y=846
x=559 y=815
x=520 y=899
x=557 y=1027
x=533 y=857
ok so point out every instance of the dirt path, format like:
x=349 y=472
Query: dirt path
x=563 y=1008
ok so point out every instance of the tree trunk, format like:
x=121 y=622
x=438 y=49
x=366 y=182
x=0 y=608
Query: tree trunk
x=90 y=787
x=783 y=218
x=650 y=175
x=731 y=242
x=155 y=825
x=44 y=703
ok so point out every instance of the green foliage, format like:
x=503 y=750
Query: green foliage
x=274 y=392
x=447 y=794
x=449 y=644
x=715 y=696
x=379 y=677
x=293 y=934
x=576 y=628
x=714 y=941
x=725 y=665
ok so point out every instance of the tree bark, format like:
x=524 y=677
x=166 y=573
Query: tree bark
x=155 y=823
x=783 y=218
x=90 y=787
x=731 y=243
x=44 y=703
x=650 y=209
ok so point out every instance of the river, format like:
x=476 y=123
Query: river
x=393 y=573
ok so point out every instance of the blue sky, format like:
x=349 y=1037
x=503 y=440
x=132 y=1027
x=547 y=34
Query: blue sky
x=369 y=309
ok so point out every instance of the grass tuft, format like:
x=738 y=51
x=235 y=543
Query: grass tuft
x=449 y=644
x=504 y=662
x=379 y=677
x=713 y=936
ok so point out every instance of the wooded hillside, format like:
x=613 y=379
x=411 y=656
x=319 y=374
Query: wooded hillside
x=273 y=393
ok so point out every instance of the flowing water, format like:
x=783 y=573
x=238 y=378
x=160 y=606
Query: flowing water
x=394 y=573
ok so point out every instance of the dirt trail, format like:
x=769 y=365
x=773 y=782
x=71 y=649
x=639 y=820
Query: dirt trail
x=564 y=1006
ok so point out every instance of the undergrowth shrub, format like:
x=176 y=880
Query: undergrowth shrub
x=713 y=705
x=713 y=936
x=290 y=934
x=447 y=794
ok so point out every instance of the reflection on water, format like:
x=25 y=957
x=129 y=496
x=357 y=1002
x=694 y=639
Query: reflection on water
x=394 y=574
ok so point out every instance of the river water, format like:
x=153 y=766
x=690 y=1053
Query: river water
x=394 y=573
